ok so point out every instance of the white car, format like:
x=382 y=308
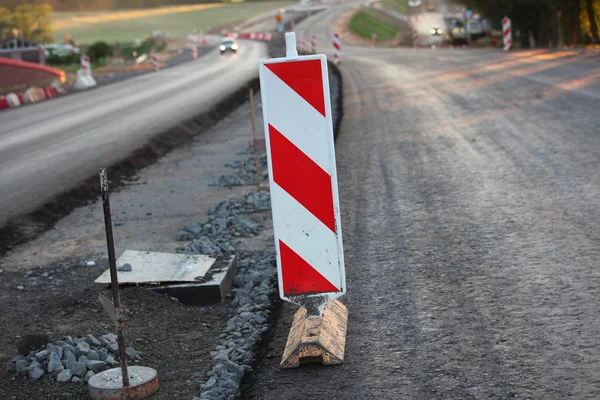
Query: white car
x=229 y=44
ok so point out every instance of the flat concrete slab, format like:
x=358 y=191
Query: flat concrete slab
x=152 y=267
x=217 y=284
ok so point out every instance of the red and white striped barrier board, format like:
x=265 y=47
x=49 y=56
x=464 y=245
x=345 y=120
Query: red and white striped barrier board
x=85 y=63
x=506 y=33
x=194 y=52
x=337 y=48
x=154 y=59
x=304 y=193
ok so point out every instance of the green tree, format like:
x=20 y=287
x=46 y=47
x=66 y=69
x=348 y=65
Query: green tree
x=6 y=23
x=34 y=22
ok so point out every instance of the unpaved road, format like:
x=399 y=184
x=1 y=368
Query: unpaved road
x=47 y=148
x=470 y=196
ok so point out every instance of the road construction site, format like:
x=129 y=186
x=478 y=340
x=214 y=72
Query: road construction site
x=469 y=192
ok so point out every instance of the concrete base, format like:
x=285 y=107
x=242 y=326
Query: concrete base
x=317 y=339
x=108 y=385
x=215 y=289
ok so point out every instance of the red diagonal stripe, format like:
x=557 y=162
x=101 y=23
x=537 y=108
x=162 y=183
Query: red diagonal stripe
x=304 y=78
x=506 y=31
x=337 y=46
x=301 y=178
x=299 y=277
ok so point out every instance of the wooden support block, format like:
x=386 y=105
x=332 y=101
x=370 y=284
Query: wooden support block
x=317 y=339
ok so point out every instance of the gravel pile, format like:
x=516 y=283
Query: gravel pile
x=245 y=173
x=71 y=360
x=254 y=283
x=225 y=223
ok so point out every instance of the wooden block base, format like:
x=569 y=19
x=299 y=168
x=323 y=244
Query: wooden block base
x=317 y=339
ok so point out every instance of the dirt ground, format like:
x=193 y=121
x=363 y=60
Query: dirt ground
x=173 y=338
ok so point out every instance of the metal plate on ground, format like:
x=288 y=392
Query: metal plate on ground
x=151 y=267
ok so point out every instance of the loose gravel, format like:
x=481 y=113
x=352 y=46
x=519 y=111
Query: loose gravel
x=72 y=359
x=226 y=222
x=245 y=171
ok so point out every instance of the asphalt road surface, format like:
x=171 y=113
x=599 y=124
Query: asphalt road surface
x=470 y=197
x=47 y=148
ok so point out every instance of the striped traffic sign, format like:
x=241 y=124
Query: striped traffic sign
x=507 y=33
x=304 y=193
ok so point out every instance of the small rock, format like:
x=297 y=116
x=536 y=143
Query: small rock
x=78 y=369
x=64 y=376
x=113 y=348
x=88 y=376
x=42 y=355
x=54 y=362
x=110 y=360
x=132 y=353
x=125 y=267
x=69 y=356
x=103 y=354
x=75 y=379
x=83 y=347
x=34 y=364
x=96 y=366
x=36 y=373
x=11 y=368
x=90 y=263
x=93 y=355
x=20 y=366
x=111 y=337
x=20 y=287
x=83 y=359
x=91 y=339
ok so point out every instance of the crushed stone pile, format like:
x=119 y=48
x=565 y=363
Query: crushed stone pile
x=225 y=222
x=72 y=359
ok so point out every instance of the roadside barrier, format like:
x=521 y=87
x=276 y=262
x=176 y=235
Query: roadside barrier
x=4 y=104
x=194 y=52
x=13 y=100
x=507 y=33
x=154 y=58
x=304 y=196
x=337 y=48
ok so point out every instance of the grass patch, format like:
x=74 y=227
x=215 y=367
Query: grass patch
x=397 y=5
x=86 y=28
x=364 y=24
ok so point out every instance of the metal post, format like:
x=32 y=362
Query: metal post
x=256 y=162
x=113 y=274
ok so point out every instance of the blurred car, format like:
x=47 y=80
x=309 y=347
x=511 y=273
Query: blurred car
x=229 y=45
x=61 y=49
x=457 y=33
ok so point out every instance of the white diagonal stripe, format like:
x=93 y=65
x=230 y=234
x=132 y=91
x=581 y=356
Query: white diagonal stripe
x=297 y=120
x=306 y=235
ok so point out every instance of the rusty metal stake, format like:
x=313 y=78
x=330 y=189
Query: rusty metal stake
x=254 y=139
x=113 y=275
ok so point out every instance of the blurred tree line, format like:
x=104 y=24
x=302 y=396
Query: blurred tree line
x=27 y=21
x=545 y=22
x=103 y=5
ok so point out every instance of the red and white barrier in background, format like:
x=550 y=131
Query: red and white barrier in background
x=302 y=173
x=267 y=37
x=84 y=74
x=31 y=95
x=506 y=33
x=337 y=48
x=154 y=59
